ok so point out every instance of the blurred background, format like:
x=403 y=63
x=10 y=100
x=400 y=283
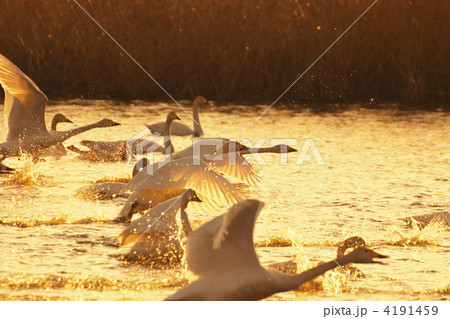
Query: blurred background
x=234 y=50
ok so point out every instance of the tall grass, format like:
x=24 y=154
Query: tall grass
x=249 y=50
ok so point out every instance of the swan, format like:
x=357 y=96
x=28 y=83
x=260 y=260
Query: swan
x=58 y=149
x=423 y=220
x=156 y=235
x=179 y=129
x=100 y=151
x=234 y=166
x=172 y=179
x=24 y=115
x=221 y=252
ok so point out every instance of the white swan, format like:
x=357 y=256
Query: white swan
x=179 y=129
x=156 y=236
x=100 y=151
x=221 y=252
x=24 y=115
x=172 y=179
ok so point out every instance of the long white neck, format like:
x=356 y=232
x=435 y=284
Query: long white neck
x=64 y=135
x=54 y=123
x=273 y=149
x=197 y=127
x=187 y=229
x=168 y=146
x=288 y=282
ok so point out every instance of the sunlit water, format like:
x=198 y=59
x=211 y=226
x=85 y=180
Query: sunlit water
x=379 y=166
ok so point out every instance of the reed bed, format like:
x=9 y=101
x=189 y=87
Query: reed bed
x=248 y=50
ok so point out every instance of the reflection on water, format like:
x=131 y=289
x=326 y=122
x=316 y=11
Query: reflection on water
x=379 y=166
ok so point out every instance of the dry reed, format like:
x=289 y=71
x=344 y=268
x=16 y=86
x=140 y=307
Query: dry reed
x=248 y=50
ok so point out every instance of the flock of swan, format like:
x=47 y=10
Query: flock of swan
x=221 y=251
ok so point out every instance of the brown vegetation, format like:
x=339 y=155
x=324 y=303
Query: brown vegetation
x=248 y=50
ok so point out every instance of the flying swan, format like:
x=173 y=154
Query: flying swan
x=221 y=252
x=24 y=115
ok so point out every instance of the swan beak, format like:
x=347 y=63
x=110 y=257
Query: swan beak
x=5 y=169
x=196 y=199
x=115 y=124
x=377 y=255
x=177 y=118
x=291 y=149
x=67 y=120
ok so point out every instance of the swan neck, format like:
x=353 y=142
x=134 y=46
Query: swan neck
x=55 y=122
x=196 y=120
x=288 y=282
x=251 y=150
x=187 y=229
x=168 y=147
x=62 y=136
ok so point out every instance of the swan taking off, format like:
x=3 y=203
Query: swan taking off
x=24 y=115
x=221 y=252
x=172 y=179
x=156 y=236
x=179 y=129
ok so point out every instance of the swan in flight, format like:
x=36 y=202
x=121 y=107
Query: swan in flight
x=179 y=129
x=221 y=252
x=172 y=179
x=24 y=115
x=100 y=151
x=156 y=235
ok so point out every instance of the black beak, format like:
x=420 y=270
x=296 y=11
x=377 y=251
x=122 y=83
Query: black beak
x=115 y=124
x=196 y=199
x=67 y=120
x=5 y=169
x=177 y=118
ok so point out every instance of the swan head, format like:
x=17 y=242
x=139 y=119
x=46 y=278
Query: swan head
x=172 y=116
x=107 y=123
x=60 y=118
x=363 y=255
x=352 y=242
x=200 y=101
x=191 y=196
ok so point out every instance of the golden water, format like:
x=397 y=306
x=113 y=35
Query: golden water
x=380 y=165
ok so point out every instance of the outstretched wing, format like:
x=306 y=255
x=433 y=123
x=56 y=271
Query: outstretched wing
x=24 y=103
x=234 y=165
x=189 y=172
x=225 y=243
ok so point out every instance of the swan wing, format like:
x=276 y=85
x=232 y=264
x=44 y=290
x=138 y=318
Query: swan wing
x=160 y=219
x=191 y=172
x=225 y=244
x=24 y=102
x=234 y=165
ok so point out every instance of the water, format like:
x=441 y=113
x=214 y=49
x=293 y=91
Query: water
x=380 y=165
